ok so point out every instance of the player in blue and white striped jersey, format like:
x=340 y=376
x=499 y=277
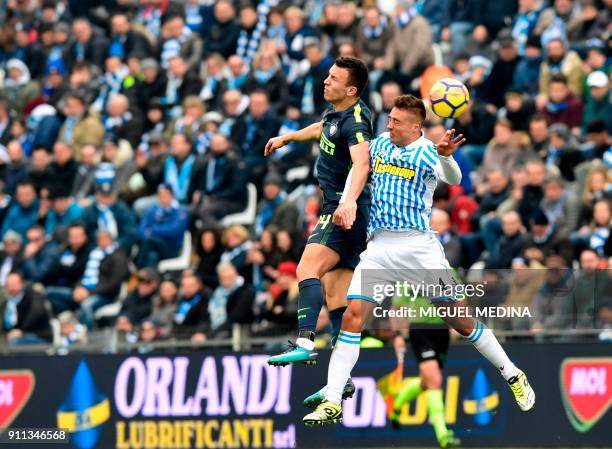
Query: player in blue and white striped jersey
x=402 y=248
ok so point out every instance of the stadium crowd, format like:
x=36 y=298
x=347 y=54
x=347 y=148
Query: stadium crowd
x=132 y=132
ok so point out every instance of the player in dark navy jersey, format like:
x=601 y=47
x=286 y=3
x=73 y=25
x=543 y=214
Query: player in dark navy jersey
x=333 y=248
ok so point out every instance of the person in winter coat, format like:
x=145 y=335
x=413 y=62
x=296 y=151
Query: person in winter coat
x=161 y=230
x=19 y=89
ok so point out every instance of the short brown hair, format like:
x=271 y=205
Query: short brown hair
x=412 y=104
x=358 y=71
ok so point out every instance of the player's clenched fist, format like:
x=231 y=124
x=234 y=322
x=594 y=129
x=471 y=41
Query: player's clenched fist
x=345 y=214
x=274 y=144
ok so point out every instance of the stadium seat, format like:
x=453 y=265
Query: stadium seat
x=247 y=216
x=112 y=310
x=182 y=261
x=297 y=173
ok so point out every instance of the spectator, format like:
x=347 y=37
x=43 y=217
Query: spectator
x=213 y=89
x=191 y=123
x=11 y=256
x=151 y=167
x=561 y=18
x=105 y=271
x=39 y=255
x=179 y=167
x=478 y=123
x=309 y=88
x=182 y=82
x=84 y=181
x=153 y=84
x=288 y=247
x=161 y=230
x=253 y=24
x=281 y=306
x=19 y=89
x=237 y=243
x=112 y=82
x=139 y=304
x=409 y=61
x=440 y=224
x=524 y=24
x=217 y=185
x=63 y=169
x=230 y=303
x=5 y=122
x=373 y=36
x=502 y=72
x=545 y=240
x=208 y=249
x=525 y=282
x=502 y=151
x=558 y=281
x=234 y=104
x=491 y=17
x=110 y=214
x=492 y=195
x=510 y=244
x=38 y=171
x=159 y=323
x=16 y=170
x=88 y=45
x=23 y=213
x=598 y=140
x=597 y=106
x=297 y=32
x=267 y=75
x=252 y=131
x=178 y=39
x=115 y=166
x=596 y=234
x=64 y=212
x=192 y=309
x=273 y=208
x=81 y=126
x=518 y=109
x=561 y=61
x=532 y=193
x=539 y=135
x=598 y=185
x=56 y=85
x=223 y=33
x=562 y=106
x=69 y=268
x=389 y=91
x=84 y=82
x=527 y=72
x=125 y=40
x=120 y=122
x=560 y=205
x=24 y=316
x=563 y=151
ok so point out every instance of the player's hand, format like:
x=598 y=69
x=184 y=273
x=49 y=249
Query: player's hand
x=345 y=214
x=274 y=144
x=399 y=345
x=449 y=143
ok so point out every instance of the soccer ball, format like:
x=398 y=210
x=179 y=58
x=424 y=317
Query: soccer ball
x=449 y=98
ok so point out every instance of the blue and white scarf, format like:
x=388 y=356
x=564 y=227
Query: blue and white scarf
x=10 y=312
x=193 y=18
x=179 y=181
x=112 y=83
x=150 y=17
x=91 y=277
x=217 y=305
x=406 y=17
x=172 y=46
x=210 y=87
x=184 y=308
x=203 y=142
x=267 y=212
x=110 y=123
x=263 y=76
x=107 y=221
x=377 y=31
x=249 y=44
x=598 y=239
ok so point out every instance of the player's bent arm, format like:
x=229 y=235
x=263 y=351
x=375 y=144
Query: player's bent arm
x=358 y=175
x=311 y=132
x=448 y=170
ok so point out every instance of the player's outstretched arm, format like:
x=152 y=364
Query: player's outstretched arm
x=346 y=212
x=311 y=132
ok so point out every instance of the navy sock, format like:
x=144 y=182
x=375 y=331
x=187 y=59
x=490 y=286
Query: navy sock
x=309 y=304
x=335 y=316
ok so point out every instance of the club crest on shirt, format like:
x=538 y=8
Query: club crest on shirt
x=333 y=128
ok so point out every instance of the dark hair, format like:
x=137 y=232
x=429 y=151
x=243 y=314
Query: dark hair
x=538 y=118
x=412 y=104
x=358 y=71
x=596 y=126
x=558 y=78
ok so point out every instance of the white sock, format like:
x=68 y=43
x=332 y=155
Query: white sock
x=305 y=343
x=484 y=340
x=343 y=359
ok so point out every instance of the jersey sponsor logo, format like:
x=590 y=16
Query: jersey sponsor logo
x=16 y=387
x=381 y=167
x=327 y=145
x=586 y=388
